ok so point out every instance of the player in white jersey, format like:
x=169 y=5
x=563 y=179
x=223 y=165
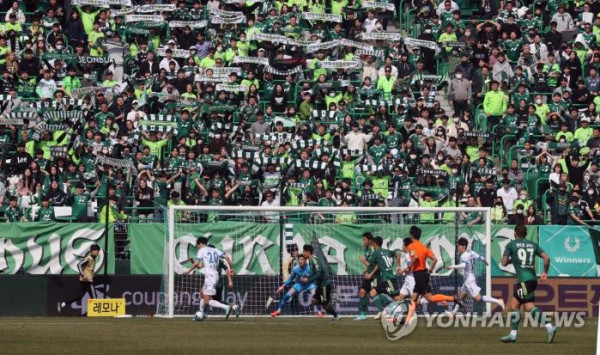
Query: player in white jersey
x=404 y=269
x=467 y=264
x=208 y=258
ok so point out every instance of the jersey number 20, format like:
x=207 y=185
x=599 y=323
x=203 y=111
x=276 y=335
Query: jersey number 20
x=213 y=258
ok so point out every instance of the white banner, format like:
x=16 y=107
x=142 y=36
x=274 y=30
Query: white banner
x=191 y=24
x=148 y=9
x=122 y=12
x=381 y=36
x=226 y=20
x=119 y=163
x=322 y=17
x=355 y=44
x=295 y=70
x=340 y=64
x=227 y=70
x=95 y=3
x=251 y=60
x=379 y=5
x=376 y=53
x=124 y=3
x=299 y=42
x=413 y=42
x=143 y=18
x=231 y=88
x=177 y=53
x=322 y=46
x=11 y=121
x=223 y=13
x=210 y=79
x=269 y=37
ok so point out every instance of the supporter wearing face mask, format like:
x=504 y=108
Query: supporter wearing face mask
x=517 y=218
x=460 y=92
x=498 y=212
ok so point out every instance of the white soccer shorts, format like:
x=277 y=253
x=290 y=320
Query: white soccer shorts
x=209 y=287
x=408 y=286
x=470 y=287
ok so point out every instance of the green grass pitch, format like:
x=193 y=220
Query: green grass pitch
x=269 y=336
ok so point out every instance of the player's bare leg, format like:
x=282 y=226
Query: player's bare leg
x=499 y=301
x=439 y=298
x=207 y=300
x=283 y=301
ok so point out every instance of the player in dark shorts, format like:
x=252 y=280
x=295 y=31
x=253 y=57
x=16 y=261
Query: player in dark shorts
x=521 y=253
x=384 y=272
x=365 y=288
x=419 y=254
x=320 y=276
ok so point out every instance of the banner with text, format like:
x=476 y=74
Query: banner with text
x=570 y=249
x=255 y=246
x=52 y=248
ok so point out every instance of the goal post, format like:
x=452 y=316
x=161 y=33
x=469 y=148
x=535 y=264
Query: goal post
x=259 y=241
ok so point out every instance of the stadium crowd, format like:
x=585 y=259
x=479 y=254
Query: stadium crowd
x=300 y=102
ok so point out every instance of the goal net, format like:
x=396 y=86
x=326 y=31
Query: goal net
x=263 y=245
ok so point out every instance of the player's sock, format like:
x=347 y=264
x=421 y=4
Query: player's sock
x=456 y=308
x=515 y=318
x=330 y=310
x=378 y=303
x=440 y=298
x=284 y=300
x=489 y=299
x=202 y=304
x=363 y=304
x=539 y=316
x=218 y=304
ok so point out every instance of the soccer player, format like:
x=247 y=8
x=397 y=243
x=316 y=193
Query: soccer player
x=86 y=277
x=419 y=254
x=208 y=258
x=521 y=253
x=221 y=286
x=383 y=274
x=300 y=273
x=404 y=269
x=320 y=277
x=365 y=288
x=469 y=287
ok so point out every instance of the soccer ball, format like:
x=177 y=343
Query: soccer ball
x=199 y=316
x=395 y=312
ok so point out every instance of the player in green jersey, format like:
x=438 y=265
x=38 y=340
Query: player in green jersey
x=320 y=276
x=383 y=274
x=521 y=253
x=365 y=288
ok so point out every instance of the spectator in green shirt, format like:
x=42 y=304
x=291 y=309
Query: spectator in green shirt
x=151 y=141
